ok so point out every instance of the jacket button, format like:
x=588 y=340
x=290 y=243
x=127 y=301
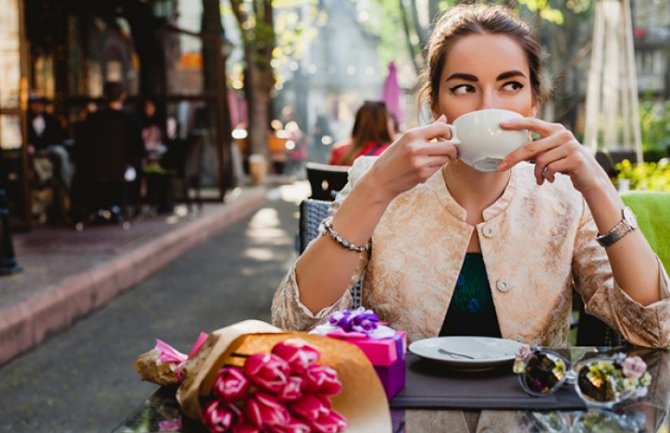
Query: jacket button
x=503 y=286
x=489 y=231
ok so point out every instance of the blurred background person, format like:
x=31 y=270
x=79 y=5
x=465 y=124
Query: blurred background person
x=370 y=135
x=46 y=137
x=108 y=153
x=153 y=128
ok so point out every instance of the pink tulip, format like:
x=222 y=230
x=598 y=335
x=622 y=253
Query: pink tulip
x=318 y=414
x=321 y=379
x=220 y=417
x=310 y=407
x=293 y=389
x=331 y=423
x=267 y=371
x=244 y=427
x=231 y=384
x=297 y=353
x=263 y=410
x=293 y=426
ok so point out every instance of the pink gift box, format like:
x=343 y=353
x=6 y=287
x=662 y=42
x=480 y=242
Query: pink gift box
x=387 y=355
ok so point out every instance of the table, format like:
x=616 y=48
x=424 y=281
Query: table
x=160 y=412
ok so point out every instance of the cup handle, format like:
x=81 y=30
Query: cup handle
x=454 y=137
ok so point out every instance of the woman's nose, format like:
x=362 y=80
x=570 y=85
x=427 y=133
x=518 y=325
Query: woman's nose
x=487 y=101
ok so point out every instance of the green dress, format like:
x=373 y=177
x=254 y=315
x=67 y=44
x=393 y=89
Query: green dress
x=471 y=311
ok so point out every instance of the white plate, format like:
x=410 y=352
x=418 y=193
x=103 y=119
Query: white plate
x=486 y=352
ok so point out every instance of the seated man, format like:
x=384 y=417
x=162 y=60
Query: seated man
x=108 y=153
x=51 y=160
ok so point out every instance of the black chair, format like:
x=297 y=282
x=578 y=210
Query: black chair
x=312 y=212
x=326 y=180
x=592 y=331
x=183 y=160
x=608 y=159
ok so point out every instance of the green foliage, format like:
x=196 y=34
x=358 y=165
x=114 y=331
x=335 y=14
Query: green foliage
x=545 y=10
x=650 y=176
x=389 y=16
x=655 y=125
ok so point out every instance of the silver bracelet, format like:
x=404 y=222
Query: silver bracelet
x=327 y=227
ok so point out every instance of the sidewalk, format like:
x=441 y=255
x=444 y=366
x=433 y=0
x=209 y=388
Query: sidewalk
x=68 y=273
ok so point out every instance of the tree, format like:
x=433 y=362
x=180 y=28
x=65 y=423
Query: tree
x=214 y=73
x=255 y=21
x=416 y=32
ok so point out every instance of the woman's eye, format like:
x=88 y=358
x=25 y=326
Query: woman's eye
x=512 y=86
x=461 y=89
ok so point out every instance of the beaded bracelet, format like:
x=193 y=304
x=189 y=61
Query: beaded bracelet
x=327 y=227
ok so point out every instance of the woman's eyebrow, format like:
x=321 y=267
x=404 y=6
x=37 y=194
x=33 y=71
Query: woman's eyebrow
x=510 y=74
x=462 y=76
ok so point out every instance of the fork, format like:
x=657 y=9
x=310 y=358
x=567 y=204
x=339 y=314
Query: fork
x=454 y=354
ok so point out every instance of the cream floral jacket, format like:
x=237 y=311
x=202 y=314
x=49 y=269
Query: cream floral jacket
x=538 y=242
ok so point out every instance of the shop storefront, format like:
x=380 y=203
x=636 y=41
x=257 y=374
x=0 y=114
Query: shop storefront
x=13 y=102
x=65 y=51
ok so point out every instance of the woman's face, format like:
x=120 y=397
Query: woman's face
x=485 y=71
x=149 y=108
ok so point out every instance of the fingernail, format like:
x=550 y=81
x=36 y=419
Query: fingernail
x=442 y=119
x=503 y=166
x=506 y=123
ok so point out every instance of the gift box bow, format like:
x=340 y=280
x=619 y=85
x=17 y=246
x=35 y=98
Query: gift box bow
x=381 y=344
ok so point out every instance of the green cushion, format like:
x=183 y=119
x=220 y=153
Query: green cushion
x=652 y=209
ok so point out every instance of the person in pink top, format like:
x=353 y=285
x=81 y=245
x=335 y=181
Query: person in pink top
x=369 y=137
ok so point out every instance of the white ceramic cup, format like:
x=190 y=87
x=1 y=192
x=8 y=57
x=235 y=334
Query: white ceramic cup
x=480 y=140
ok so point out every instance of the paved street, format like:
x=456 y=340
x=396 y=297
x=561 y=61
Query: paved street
x=81 y=379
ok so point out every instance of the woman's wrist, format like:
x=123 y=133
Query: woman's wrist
x=600 y=188
x=375 y=190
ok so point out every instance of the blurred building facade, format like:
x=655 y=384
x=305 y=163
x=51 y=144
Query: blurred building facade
x=63 y=52
x=340 y=70
x=651 y=30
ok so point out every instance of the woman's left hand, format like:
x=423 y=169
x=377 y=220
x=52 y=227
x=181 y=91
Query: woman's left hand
x=558 y=151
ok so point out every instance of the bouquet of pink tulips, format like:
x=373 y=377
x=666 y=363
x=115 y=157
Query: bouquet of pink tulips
x=252 y=377
x=282 y=391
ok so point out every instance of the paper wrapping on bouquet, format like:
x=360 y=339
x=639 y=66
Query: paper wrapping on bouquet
x=388 y=355
x=362 y=400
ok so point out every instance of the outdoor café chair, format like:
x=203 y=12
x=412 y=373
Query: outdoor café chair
x=312 y=212
x=326 y=180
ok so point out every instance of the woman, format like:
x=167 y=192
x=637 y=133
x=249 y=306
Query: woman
x=503 y=250
x=369 y=137
x=153 y=129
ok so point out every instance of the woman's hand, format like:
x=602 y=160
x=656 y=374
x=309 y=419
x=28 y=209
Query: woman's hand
x=414 y=157
x=558 y=151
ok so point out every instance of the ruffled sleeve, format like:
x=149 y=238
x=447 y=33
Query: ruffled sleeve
x=603 y=298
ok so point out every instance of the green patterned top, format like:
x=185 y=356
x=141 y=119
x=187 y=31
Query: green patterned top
x=471 y=311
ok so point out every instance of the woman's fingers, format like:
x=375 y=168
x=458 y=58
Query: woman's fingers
x=437 y=130
x=546 y=163
x=533 y=124
x=531 y=150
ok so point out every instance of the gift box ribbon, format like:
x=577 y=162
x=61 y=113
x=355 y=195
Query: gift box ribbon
x=170 y=355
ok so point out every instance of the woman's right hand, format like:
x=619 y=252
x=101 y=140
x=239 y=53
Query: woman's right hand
x=414 y=157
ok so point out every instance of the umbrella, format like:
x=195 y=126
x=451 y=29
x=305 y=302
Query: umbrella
x=391 y=95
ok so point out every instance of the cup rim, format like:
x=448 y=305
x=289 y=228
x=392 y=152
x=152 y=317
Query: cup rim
x=475 y=112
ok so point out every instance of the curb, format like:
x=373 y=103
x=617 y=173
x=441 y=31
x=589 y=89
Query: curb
x=26 y=324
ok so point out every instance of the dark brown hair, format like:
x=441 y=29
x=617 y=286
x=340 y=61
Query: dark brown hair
x=479 y=19
x=113 y=91
x=371 y=124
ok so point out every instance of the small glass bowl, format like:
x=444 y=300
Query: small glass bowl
x=597 y=385
x=544 y=372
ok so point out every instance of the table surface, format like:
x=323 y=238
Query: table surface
x=161 y=413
